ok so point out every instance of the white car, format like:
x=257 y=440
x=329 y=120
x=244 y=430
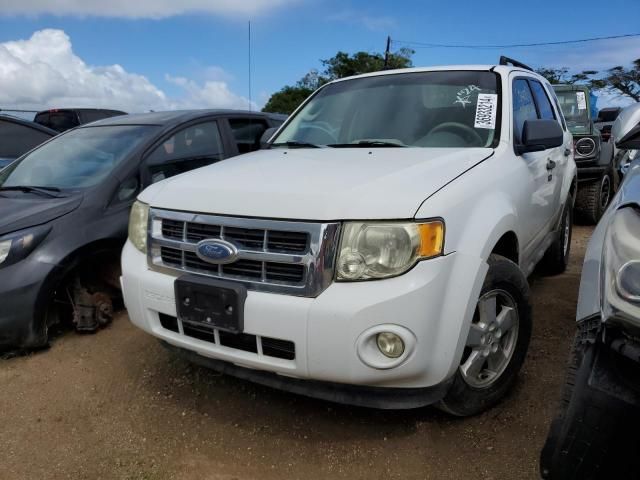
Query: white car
x=377 y=253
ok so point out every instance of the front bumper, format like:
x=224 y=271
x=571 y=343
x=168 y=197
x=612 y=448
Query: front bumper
x=23 y=288
x=435 y=302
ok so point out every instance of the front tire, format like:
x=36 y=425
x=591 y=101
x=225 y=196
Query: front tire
x=496 y=344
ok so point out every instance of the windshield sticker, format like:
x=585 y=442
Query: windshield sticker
x=486 y=110
x=463 y=97
x=582 y=101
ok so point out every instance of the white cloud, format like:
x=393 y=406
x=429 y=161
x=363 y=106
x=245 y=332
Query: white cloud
x=44 y=72
x=370 y=22
x=138 y=8
x=212 y=92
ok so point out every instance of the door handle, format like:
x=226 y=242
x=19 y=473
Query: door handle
x=567 y=152
x=551 y=164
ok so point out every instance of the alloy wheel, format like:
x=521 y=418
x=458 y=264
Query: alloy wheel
x=492 y=339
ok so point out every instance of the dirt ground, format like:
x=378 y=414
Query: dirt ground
x=117 y=405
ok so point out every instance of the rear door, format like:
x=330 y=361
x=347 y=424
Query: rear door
x=185 y=149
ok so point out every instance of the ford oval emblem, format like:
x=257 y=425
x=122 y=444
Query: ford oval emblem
x=216 y=251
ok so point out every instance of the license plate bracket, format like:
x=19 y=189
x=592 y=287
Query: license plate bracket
x=211 y=302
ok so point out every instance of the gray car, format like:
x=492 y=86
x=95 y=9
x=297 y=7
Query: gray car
x=595 y=434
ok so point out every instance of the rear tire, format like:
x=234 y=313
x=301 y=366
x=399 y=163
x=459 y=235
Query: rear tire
x=556 y=258
x=592 y=199
x=472 y=393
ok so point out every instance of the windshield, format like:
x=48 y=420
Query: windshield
x=574 y=108
x=426 y=109
x=75 y=160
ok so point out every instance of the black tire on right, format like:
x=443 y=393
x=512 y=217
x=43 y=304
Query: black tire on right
x=590 y=201
x=593 y=436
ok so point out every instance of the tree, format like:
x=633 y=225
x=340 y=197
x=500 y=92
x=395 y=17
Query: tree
x=625 y=80
x=287 y=99
x=621 y=80
x=342 y=65
x=555 y=76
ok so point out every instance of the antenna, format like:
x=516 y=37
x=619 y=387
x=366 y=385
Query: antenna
x=250 y=65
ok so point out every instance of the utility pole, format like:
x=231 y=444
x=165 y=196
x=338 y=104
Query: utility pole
x=386 y=53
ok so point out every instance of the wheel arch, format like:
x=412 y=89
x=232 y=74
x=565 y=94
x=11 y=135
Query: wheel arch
x=91 y=254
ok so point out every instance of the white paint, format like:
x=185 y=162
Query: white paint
x=481 y=194
x=582 y=100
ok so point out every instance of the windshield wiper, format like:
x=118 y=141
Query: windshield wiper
x=294 y=144
x=49 y=191
x=368 y=143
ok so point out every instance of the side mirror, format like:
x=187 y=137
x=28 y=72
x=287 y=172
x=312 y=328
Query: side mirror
x=266 y=136
x=626 y=129
x=539 y=135
x=608 y=114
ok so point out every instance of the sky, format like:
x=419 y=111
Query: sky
x=140 y=55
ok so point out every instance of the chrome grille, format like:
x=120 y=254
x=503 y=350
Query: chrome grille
x=295 y=258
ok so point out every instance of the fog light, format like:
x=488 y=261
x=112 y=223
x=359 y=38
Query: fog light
x=390 y=344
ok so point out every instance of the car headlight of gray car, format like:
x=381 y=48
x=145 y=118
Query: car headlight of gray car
x=18 y=245
x=621 y=268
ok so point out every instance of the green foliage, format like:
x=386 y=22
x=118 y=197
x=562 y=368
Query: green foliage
x=345 y=65
x=625 y=80
x=287 y=99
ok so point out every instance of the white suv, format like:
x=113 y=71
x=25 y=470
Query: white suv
x=377 y=253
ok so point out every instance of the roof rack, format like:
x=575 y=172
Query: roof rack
x=510 y=61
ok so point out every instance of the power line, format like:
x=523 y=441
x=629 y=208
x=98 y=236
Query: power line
x=513 y=45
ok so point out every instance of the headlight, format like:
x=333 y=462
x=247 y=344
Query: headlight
x=621 y=271
x=385 y=249
x=5 y=248
x=18 y=245
x=138 y=220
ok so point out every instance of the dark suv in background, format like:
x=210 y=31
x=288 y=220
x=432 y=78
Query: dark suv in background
x=62 y=119
x=593 y=155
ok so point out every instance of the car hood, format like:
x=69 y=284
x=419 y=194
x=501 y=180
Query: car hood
x=24 y=210
x=317 y=184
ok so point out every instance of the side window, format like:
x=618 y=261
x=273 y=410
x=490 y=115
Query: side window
x=16 y=139
x=523 y=107
x=542 y=100
x=192 y=147
x=62 y=120
x=247 y=133
x=560 y=114
x=89 y=116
